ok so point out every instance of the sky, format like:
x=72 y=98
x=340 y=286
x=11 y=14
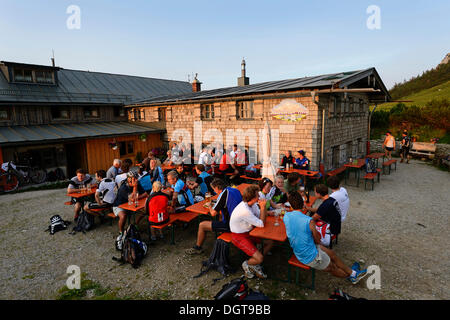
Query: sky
x=278 y=39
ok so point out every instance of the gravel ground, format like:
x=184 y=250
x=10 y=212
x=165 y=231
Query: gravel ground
x=402 y=227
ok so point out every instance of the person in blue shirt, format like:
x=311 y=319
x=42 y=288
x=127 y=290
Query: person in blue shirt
x=153 y=174
x=228 y=199
x=301 y=162
x=203 y=181
x=305 y=242
x=181 y=195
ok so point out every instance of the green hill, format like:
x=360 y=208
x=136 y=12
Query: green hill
x=421 y=98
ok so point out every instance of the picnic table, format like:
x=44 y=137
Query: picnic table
x=201 y=208
x=355 y=166
x=165 y=167
x=270 y=231
x=76 y=193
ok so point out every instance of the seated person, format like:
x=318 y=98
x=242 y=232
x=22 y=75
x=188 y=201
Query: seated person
x=181 y=195
x=227 y=165
x=203 y=181
x=204 y=157
x=168 y=160
x=328 y=211
x=288 y=158
x=130 y=186
x=82 y=179
x=305 y=242
x=267 y=192
x=250 y=213
x=293 y=182
x=114 y=170
x=157 y=209
x=180 y=171
x=104 y=195
x=228 y=199
x=340 y=194
x=155 y=173
x=301 y=162
x=126 y=166
x=280 y=195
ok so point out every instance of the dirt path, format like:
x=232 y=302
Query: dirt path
x=402 y=227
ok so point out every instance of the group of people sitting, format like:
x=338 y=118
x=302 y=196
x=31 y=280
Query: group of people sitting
x=238 y=213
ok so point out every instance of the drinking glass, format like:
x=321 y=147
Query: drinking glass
x=277 y=213
x=130 y=199
x=208 y=198
x=136 y=200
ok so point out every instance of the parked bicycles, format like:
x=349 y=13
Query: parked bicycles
x=12 y=176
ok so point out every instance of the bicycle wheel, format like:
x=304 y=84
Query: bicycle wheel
x=8 y=182
x=38 y=176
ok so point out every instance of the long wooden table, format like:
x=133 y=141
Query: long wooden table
x=355 y=166
x=270 y=231
x=77 y=194
x=200 y=207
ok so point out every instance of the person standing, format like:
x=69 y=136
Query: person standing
x=389 y=145
x=406 y=146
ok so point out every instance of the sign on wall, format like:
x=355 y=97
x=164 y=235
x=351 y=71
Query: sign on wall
x=289 y=110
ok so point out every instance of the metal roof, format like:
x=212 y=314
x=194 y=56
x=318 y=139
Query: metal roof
x=339 y=80
x=62 y=132
x=76 y=86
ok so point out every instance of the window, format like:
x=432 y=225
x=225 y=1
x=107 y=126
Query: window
x=141 y=114
x=350 y=105
x=4 y=114
x=244 y=109
x=349 y=151
x=23 y=75
x=335 y=157
x=338 y=106
x=119 y=111
x=91 y=112
x=207 y=111
x=60 y=113
x=162 y=114
x=126 y=147
x=332 y=107
x=44 y=76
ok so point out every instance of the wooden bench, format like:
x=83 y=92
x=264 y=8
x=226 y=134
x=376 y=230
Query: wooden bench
x=169 y=223
x=104 y=212
x=388 y=164
x=371 y=176
x=250 y=178
x=226 y=236
x=293 y=261
x=68 y=203
x=423 y=149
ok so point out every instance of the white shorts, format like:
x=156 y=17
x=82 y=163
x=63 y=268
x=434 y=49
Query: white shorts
x=321 y=261
x=118 y=210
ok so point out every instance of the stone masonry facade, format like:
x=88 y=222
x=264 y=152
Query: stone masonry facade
x=345 y=131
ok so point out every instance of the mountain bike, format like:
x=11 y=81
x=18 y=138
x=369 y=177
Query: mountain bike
x=14 y=176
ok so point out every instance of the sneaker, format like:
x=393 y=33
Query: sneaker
x=249 y=274
x=359 y=275
x=356 y=266
x=257 y=270
x=194 y=250
x=119 y=242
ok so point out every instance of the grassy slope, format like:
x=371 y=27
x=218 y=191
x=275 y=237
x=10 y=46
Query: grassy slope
x=420 y=98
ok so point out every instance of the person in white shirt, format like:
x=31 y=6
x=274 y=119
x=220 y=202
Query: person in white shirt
x=340 y=195
x=104 y=195
x=250 y=213
x=123 y=176
x=204 y=157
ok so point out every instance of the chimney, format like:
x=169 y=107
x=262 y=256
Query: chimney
x=243 y=80
x=196 y=85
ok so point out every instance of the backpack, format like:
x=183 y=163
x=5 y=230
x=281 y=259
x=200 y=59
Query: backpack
x=156 y=207
x=133 y=248
x=324 y=231
x=338 y=294
x=85 y=223
x=238 y=289
x=218 y=260
x=370 y=166
x=57 y=224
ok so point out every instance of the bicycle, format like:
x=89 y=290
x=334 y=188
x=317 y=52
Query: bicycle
x=18 y=175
